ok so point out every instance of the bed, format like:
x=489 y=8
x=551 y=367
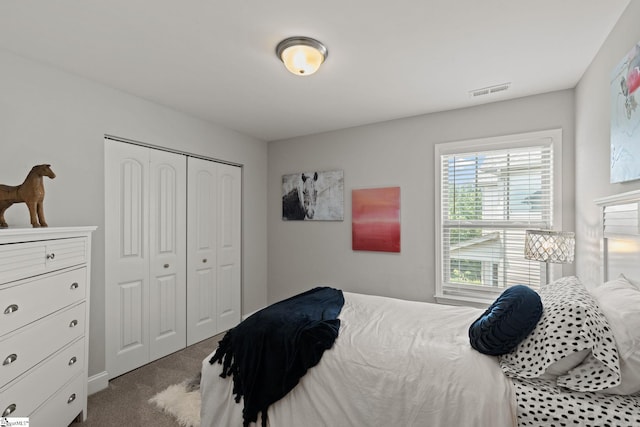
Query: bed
x=408 y=363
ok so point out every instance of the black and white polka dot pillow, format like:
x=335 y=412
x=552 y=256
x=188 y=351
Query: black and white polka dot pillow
x=541 y=403
x=571 y=322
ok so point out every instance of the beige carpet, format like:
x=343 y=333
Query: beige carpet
x=126 y=401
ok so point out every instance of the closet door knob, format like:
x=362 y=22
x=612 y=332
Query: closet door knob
x=10 y=410
x=51 y=256
x=11 y=309
x=71 y=398
x=10 y=359
x=74 y=285
x=72 y=361
x=73 y=323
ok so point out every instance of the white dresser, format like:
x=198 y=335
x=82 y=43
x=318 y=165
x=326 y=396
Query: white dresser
x=44 y=324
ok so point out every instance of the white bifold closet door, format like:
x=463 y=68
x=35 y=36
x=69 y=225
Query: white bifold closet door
x=145 y=249
x=213 y=254
x=172 y=252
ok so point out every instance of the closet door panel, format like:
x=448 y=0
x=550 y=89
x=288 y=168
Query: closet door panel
x=167 y=268
x=229 y=252
x=127 y=258
x=130 y=316
x=201 y=253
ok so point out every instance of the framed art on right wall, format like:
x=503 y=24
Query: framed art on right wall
x=625 y=118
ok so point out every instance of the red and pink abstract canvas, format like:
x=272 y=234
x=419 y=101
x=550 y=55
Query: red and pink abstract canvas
x=375 y=219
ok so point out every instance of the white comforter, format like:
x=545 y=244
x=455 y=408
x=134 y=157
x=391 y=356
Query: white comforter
x=395 y=363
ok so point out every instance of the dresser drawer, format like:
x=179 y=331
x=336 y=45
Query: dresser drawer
x=30 y=345
x=64 y=406
x=28 y=393
x=63 y=253
x=28 y=259
x=33 y=299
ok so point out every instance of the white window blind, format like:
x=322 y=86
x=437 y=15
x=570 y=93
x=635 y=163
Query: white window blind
x=488 y=198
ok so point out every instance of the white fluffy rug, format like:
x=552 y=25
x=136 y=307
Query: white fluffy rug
x=183 y=405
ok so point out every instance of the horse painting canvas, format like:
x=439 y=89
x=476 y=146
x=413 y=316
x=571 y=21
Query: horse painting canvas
x=317 y=196
x=30 y=192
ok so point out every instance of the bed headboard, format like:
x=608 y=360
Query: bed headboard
x=620 y=247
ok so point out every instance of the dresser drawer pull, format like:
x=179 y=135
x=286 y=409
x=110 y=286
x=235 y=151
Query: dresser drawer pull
x=10 y=359
x=10 y=410
x=51 y=256
x=11 y=309
x=74 y=285
x=73 y=361
x=71 y=398
x=166 y=266
x=73 y=323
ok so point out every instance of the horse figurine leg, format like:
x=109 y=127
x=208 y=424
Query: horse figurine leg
x=40 y=212
x=33 y=214
x=3 y=207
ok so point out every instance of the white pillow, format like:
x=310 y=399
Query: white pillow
x=632 y=281
x=564 y=365
x=619 y=300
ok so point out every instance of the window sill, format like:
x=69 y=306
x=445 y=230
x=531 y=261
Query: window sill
x=469 y=301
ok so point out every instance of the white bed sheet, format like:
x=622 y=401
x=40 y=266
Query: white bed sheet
x=395 y=363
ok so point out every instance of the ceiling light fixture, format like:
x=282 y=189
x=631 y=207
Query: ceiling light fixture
x=301 y=55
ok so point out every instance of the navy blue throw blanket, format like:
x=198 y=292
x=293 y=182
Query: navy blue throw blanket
x=272 y=349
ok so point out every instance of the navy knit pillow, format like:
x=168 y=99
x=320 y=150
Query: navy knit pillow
x=507 y=321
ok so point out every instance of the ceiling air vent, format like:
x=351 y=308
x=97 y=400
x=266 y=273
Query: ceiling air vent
x=489 y=90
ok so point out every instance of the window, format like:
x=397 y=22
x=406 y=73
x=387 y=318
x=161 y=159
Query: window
x=488 y=193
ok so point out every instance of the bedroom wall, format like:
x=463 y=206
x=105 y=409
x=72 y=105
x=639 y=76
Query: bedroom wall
x=50 y=116
x=303 y=254
x=593 y=119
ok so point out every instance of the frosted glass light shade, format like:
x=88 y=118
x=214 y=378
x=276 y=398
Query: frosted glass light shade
x=302 y=56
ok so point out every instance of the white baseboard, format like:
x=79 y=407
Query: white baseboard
x=98 y=382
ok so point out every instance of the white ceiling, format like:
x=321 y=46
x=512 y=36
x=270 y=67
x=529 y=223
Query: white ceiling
x=215 y=59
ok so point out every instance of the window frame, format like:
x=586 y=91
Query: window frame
x=467 y=295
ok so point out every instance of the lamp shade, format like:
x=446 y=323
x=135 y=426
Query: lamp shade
x=550 y=246
x=302 y=56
